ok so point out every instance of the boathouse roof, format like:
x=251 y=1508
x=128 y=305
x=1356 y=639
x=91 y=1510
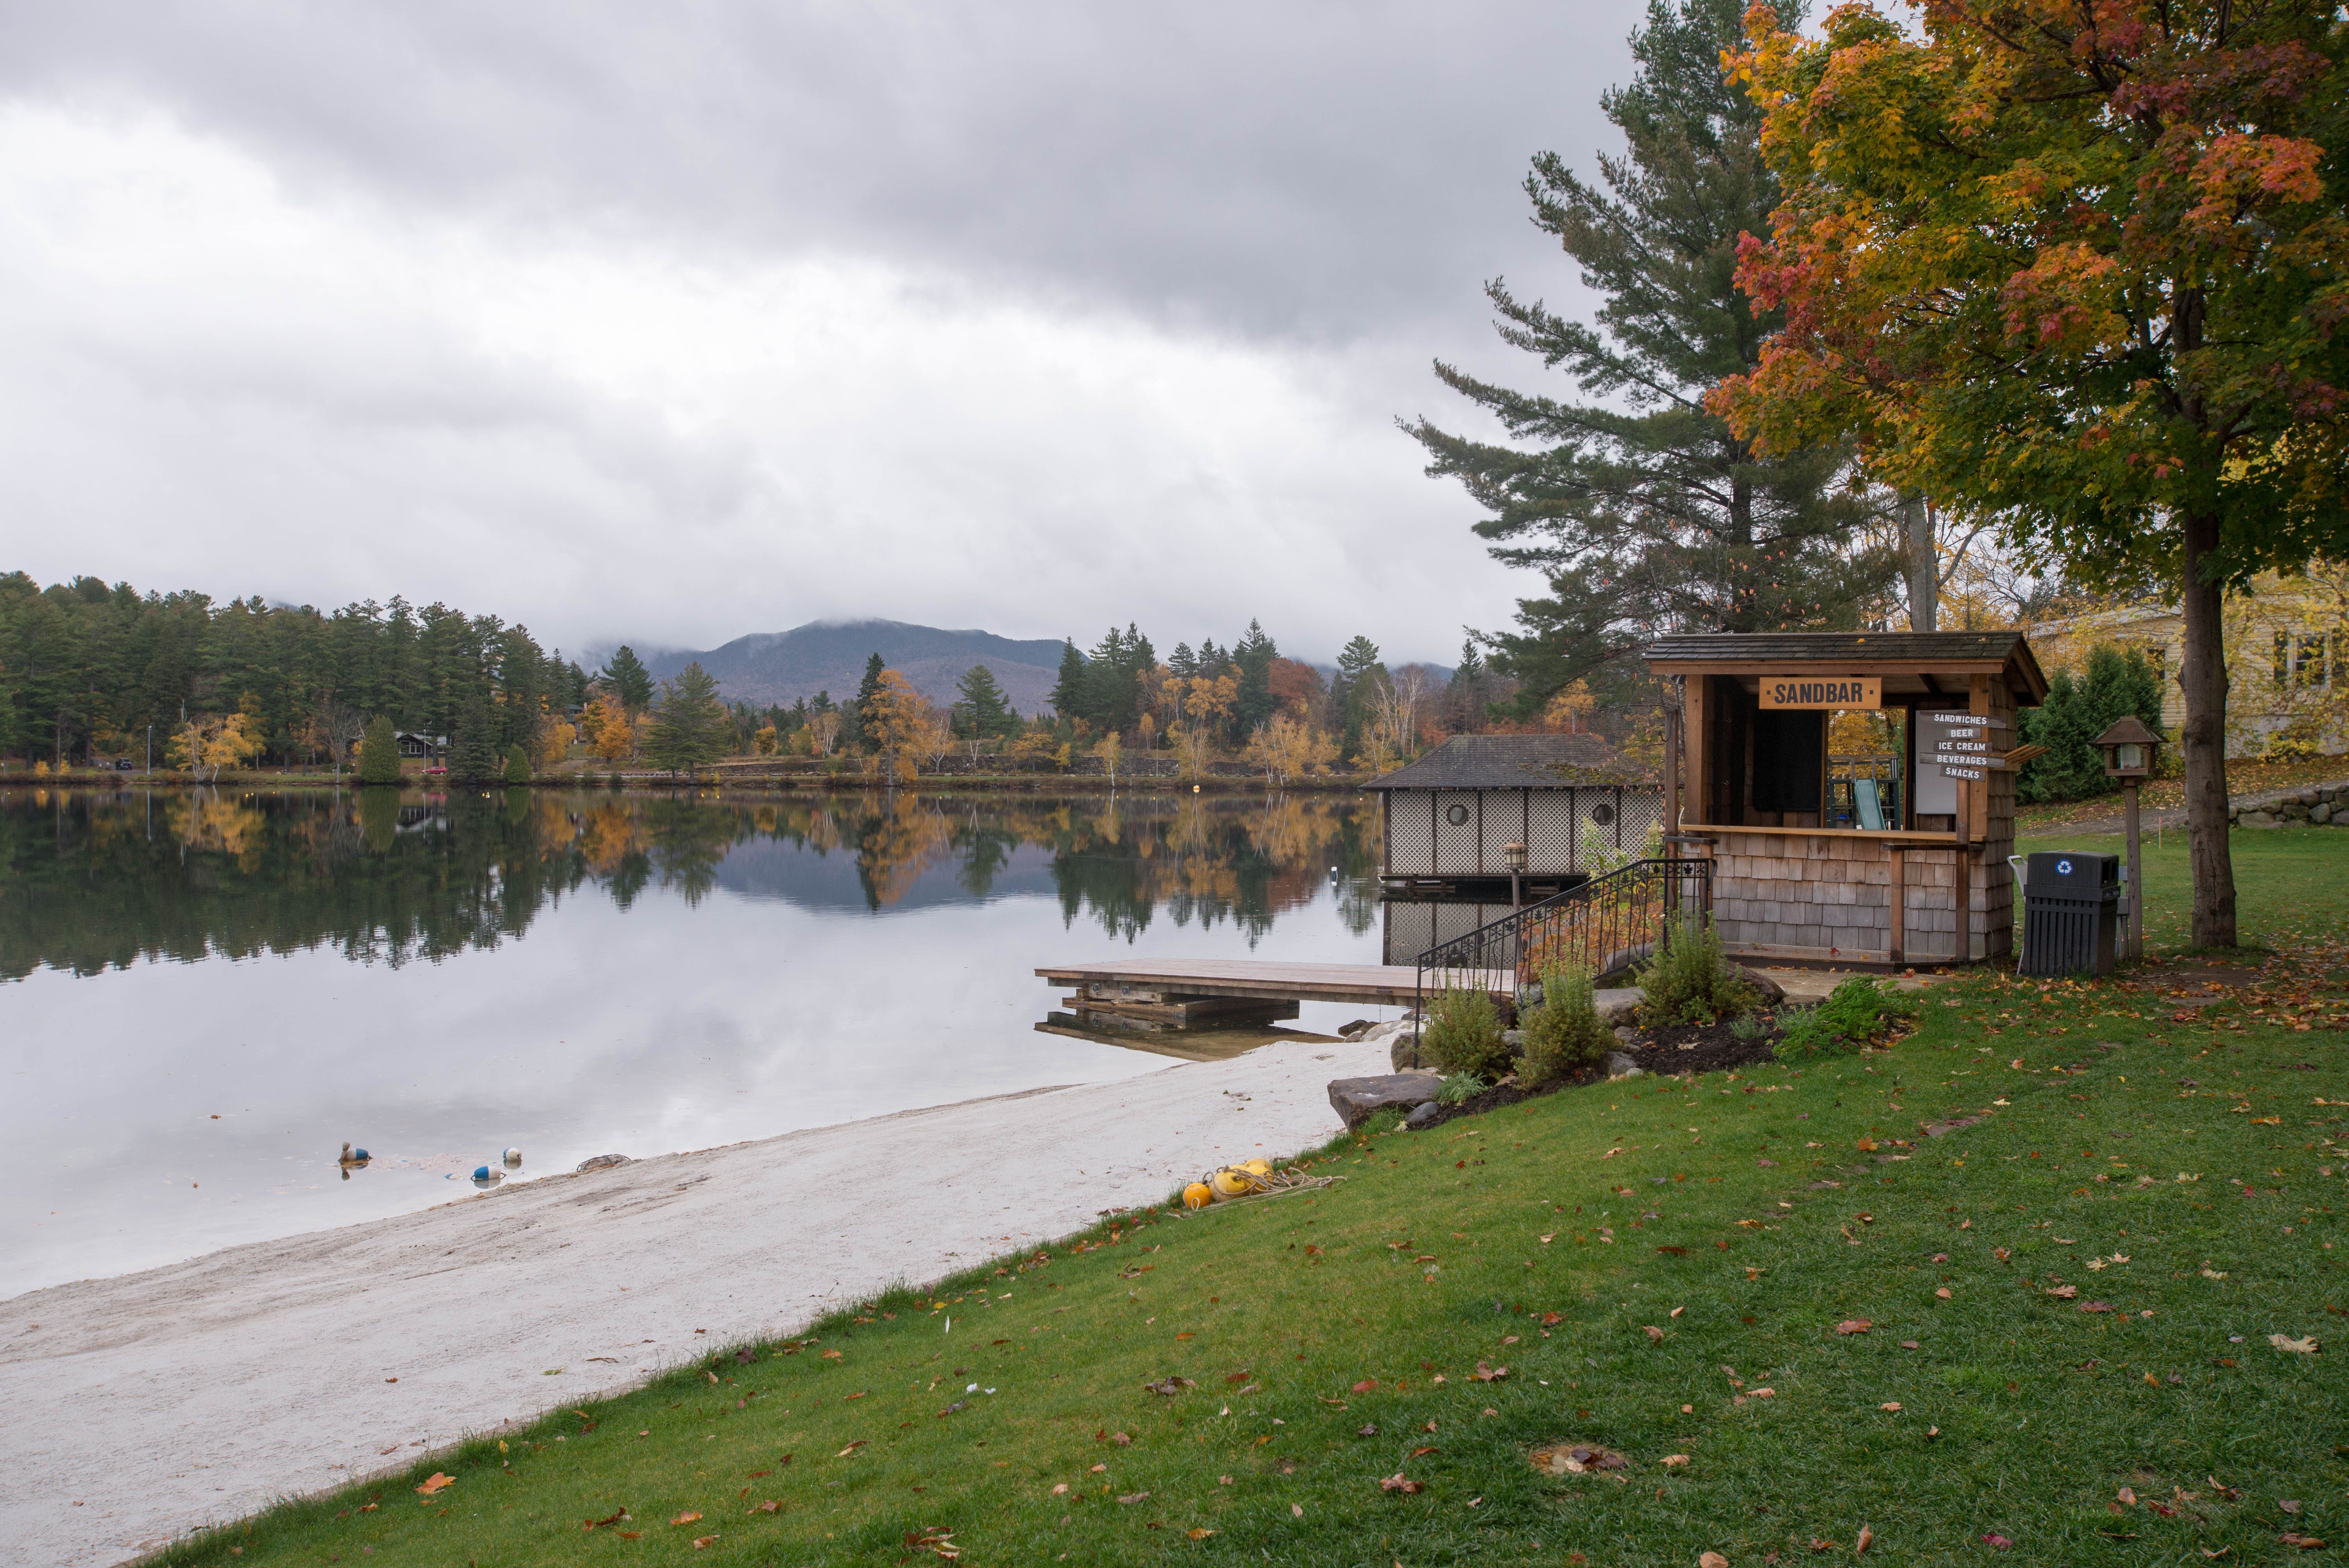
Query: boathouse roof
x=1913 y=662
x=1515 y=763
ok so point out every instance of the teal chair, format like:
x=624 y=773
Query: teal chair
x=1869 y=803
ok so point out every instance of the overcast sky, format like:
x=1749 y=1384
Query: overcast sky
x=670 y=323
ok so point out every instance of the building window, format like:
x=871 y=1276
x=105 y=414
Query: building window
x=1457 y=816
x=2310 y=666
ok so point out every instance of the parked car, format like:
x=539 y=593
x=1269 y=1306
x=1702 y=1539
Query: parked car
x=124 y=765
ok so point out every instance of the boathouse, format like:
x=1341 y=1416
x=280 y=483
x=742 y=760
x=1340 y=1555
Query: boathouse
x=1852 y=859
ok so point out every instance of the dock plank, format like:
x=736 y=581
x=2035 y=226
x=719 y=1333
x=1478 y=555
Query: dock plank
x=1375 y=984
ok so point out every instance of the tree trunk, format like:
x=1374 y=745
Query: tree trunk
x=1920 y=563
x=2202 y=676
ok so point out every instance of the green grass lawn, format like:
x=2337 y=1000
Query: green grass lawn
x=2068 y=1307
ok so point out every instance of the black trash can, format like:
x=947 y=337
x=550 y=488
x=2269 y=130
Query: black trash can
x=2070 y=908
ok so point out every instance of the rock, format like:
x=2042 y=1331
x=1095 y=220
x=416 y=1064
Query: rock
x=1622 y=959
x=2309 y=797
x=1772 y=991
x=1620 y=1066
x=2258 y=820
x=604 y=1163
x=1626 y=1033
x=1422 y=1115
x=2320 y=813
x=1356 y=1099
x=1356 y=1029
x=1618 y=1002
x=1516 y=1040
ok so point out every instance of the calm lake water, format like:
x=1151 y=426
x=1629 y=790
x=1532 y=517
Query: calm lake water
x=202 y=996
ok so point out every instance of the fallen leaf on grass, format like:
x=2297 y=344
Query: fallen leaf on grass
x=1133 y=1497
x=1995 y=1540
x=685 y=1518
x=1297 y=1511
x=1420 y=1452
x=699 y=1542
x=1672 y=1461
x=1199 y=1533
x=1711 y=1560
x=1854 y=1325
x=1891 y=1404
x=1867 y=1538
x=1484 y=1374
x=1169 y=1386
x=1366 y=1385
x=2290 y=1505
x=1655 y=1333
x=851 y=1448
x=600 y=1524
x=2096 y=1307
x=1944 y=1292
x=436 y=1482
x=2305 y=1542
x=2066 y=1292
x=1819 y=1546
x=772 y=1505
x=1576 y=1458
x=2297 y=1346
x=1401 y=1483
x=1061 y=1490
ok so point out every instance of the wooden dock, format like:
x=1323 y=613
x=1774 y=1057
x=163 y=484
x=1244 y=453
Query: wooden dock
x=1163 y=983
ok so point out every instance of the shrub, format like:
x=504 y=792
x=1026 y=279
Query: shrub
x=517 y=764
x=379 y=753
x=1855 y=1013
x=1563 y=1035
x=1463 y=1035
x=1459 y=1089
x=1692 y=980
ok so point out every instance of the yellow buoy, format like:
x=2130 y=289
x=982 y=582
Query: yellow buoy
x=1198 y=1195
x=1231 y=1183
x=1257 y=1166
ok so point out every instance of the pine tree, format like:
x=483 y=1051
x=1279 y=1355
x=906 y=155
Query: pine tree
x=473 y=755
x=1466 y=696
x=380 y=752
x=517 y=764
x=1180 y=663
x=1254 y=654
x=1067 y=696
x=629 y=680
x=691 y=725
x=856 y=719
x=984 y=709
x=1349 y=694
x=1644 y=512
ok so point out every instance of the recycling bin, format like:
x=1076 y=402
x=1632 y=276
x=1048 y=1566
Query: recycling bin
x=2070 y=912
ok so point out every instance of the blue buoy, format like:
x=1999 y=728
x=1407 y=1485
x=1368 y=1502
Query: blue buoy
x=360 y=1154
x=482 y=1173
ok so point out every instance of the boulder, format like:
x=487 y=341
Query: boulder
x=1356 y=1029
x=1772 y=991
x=1626 y=1033
x=1357 y=1099
x=1422 y=1115
x=2258 y=820
x=1620 y=1066
x=1617 y=1003
x=604 y=1163
x=2309 y=797
x=1516 y=1040
x=2320 y=813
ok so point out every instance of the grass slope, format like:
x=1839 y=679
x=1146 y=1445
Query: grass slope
x=1662 y=1266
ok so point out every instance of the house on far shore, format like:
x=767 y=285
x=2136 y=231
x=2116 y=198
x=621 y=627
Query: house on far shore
x=1573 y=801
x=425 y=748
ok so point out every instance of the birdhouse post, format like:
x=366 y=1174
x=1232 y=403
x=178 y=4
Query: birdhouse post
x=2129 y=747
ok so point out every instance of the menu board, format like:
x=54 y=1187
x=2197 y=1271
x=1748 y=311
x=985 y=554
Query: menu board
x=1952 y=746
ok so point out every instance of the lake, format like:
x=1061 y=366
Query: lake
x=203 y=995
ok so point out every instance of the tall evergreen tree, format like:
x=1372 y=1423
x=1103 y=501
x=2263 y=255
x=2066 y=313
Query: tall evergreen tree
x=473 y=751
x=691 y=726
x=1466 y=696
x=1068 y=695
x=628 y=679
x=856 y=719
x=1349 y=694
x=1254 y=654
x=1644 y=512
x=1180 y=664
x=985 y=710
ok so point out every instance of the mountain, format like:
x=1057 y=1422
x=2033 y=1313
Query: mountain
x=829 y=655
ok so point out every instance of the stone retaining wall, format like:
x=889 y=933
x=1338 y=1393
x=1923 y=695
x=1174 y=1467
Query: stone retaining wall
x=2320 y=806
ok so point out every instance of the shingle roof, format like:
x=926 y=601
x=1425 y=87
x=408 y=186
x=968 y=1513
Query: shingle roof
x=1515 y=763
x=1797 y=647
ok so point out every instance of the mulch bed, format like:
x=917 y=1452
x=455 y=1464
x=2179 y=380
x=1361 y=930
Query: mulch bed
x=1677 y=1048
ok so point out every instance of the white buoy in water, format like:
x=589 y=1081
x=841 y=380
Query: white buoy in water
x=512 y=1158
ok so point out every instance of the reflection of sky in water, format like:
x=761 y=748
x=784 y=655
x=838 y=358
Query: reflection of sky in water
x=757 y=993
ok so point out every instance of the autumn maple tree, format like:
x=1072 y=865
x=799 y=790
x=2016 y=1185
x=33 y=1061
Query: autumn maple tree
x=2076 y=265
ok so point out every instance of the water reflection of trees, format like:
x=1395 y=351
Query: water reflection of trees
x=93 y=880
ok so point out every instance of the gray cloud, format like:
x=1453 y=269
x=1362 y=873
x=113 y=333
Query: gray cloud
x=1259 y=224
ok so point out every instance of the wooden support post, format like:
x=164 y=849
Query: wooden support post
x=1694 y=756
x=1896 y=940
x=2135 y=944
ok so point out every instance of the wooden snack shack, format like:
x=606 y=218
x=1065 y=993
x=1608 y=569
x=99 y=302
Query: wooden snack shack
x=1814 y=867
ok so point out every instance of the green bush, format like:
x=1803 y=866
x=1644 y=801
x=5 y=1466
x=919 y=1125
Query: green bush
x=517 y=764
x=1855 y=1013
x=379 y=753
x=1692 y=980
x=1459 y=1089
x=1563 y=1035
x=2074 y=713
x=1463 y=1035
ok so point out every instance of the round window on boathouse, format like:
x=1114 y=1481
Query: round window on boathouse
x=1602 y=815
x=1456 y=816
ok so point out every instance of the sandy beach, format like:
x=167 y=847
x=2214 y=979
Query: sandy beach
x=148 y=1405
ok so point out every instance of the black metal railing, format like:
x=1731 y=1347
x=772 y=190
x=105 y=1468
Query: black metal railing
x=1604 y=925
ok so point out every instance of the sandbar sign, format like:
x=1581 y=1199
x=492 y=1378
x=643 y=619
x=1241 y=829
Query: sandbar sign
x=1817 y=691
